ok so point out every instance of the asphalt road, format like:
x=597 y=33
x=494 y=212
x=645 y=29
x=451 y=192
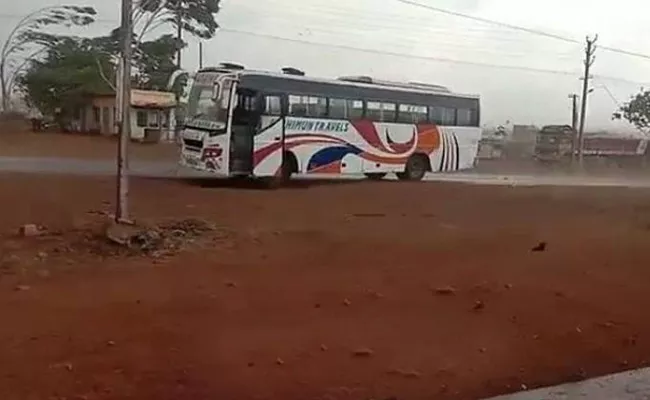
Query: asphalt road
x=84 y=167
x=631 y=385
x=170 y=169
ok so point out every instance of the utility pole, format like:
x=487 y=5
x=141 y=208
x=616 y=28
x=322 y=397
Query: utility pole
x=179 y=41
x=574 y=111
x=590 y=49
x=574 y=125
x=179 y=32
x=122 y=207
x=200 y=55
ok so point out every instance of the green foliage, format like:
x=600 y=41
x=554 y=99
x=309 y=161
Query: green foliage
x=637 y=111
x=73 y=67
x=154 y=61
x=196 y=16
x=30 y=31
x=68 y=72
x=28 y=39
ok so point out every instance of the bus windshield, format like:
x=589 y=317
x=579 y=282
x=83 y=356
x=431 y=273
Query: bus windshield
x=203 y=109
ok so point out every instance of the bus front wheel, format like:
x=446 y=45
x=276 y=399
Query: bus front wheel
x=289 y=166
x=416 y=167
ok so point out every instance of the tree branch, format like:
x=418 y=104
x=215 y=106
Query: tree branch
x=152 y=27
x=137 y=14
x=103 y=75
x=16 y=47
x=15 y=72
x=147 y=25
x=20 y=25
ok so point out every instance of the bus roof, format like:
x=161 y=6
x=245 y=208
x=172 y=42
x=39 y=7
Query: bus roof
x=415 y=94
x=346 y=81
x=349 y=82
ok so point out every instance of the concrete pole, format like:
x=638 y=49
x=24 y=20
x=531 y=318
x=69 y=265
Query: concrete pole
x=122 y=209
x=589 y=61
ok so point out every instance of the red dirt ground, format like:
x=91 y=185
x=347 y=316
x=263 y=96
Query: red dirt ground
x=308 y=276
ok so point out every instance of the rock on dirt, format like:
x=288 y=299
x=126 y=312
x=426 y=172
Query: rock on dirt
x=121 y=234
x=411 y=374
x=445 y=291
x=30 y=230
x=541 y=246
x=363 y=352
x=156 y=238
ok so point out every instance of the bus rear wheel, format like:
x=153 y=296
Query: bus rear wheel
x=287 y=169
x=416 y=168
x=376 y=176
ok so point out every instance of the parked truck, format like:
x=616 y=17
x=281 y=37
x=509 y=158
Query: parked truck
x=556 y=143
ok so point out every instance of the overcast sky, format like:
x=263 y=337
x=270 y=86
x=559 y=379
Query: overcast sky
x=422 y=44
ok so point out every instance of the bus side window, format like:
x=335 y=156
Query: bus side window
x=307 y=106
x=388 y=112
x=316 y=106
x=464 y=117
x=296 y=107
x=273 y=105
x=355 y=109
x=443 y=116
x=373 y=111
x=411 y=114
x=474 y=117
x=338 y=109
x=381 y=112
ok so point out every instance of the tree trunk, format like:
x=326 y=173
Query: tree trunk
x=3 y=88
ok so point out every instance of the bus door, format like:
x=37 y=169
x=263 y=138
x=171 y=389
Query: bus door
x=269 y=139
x=245 y=121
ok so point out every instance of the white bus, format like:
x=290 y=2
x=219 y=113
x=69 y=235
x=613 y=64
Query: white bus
x=272 y=125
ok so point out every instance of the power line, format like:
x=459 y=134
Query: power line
x=519 y=28
x=398 y=54
x=414 y=42
x=374 y=23
x=489 y=21
x=378 y=20
x=428 y=35
x=380 y=52
x=609 y=92
x=620 y=80
x=625 y=52
x=428 y=58
x=457 y=14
